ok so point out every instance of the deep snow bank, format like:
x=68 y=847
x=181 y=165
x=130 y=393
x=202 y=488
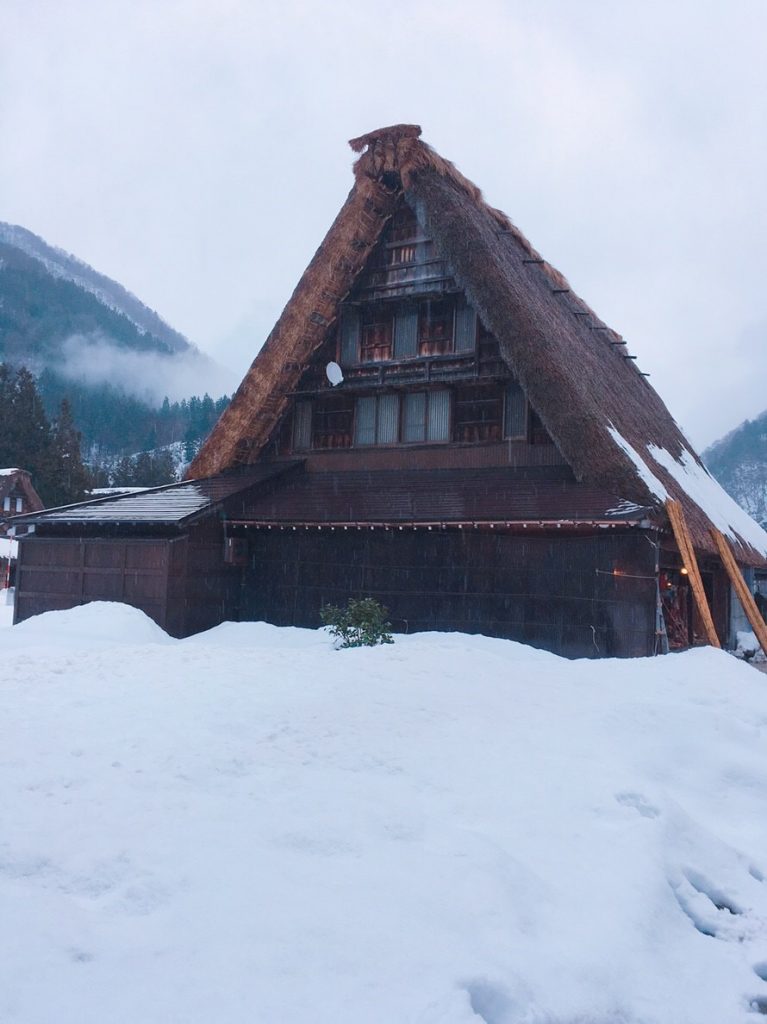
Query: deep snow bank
x=249 y=826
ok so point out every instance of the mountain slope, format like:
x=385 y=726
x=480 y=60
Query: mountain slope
x=88 y=339
x=51 y=265
x=739 y=463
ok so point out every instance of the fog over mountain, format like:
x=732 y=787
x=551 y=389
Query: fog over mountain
x=58 y=313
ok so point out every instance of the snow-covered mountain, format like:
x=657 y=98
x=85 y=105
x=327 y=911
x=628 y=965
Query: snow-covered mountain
x=59 y=314
x=63 y=266
x=739 y=462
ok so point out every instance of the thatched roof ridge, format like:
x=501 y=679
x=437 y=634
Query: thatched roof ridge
x=607 y=420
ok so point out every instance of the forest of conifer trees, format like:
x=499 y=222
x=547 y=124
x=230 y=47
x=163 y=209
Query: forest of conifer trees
x=73 y=437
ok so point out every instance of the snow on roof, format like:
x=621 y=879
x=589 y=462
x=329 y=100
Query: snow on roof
x=646 y=475
x=102 y=492
x=10 y=472
x=723 y=511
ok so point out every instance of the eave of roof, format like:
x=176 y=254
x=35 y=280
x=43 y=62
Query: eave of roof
x=177 y=504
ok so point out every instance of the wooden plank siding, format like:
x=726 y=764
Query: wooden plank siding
x=182 y=582
x=579 y=595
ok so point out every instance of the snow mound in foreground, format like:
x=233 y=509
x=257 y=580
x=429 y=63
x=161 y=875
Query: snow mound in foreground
x=100 y=622
x=252 y=826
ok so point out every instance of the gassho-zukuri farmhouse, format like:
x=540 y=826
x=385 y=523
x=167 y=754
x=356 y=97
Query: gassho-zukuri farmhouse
x=436 y=421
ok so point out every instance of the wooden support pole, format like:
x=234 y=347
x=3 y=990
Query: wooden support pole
x=745 y=596
x=686 y=550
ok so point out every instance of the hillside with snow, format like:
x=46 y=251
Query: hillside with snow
x=58 y=314
x=248 y=825
x=739 y=462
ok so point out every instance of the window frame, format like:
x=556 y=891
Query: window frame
x=402 y=398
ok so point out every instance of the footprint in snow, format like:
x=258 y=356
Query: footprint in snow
x=639 y=803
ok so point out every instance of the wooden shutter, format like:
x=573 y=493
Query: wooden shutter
x=414 y=420
x=438 y=423
x=302 y=426
x=515 y=412
x=365 y=421
x=406 y=331
x=465 y=328
x=350 y=336
x=388 y=419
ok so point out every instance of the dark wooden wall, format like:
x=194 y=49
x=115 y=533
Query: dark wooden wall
x=556 y=591
x=62 y=572
x=182 y=582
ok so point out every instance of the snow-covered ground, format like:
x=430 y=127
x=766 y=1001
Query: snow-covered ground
x=249 y=827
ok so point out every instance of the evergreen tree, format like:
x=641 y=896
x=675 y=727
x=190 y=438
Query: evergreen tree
x=72 y=479
x=32 y=436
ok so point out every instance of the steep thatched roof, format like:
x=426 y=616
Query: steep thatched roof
x=607 y=420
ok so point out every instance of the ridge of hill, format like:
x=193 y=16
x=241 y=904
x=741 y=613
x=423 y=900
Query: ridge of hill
x=739 y=462
x=16 y=241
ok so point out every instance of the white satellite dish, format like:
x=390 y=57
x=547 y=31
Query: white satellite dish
x=334 y=373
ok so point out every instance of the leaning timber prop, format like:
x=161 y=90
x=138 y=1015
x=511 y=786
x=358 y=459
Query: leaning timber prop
x=690 y=562
x=745 y=596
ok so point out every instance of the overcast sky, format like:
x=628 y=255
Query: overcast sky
x=196 y=152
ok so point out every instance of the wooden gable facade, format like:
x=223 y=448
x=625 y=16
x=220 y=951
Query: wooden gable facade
x=435 y=421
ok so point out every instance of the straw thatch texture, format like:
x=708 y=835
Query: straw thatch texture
x=577 y=381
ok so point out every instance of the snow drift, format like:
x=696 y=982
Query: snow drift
x=250 y=826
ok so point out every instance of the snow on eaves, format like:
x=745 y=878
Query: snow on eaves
x=723 y=511
x=698 y=484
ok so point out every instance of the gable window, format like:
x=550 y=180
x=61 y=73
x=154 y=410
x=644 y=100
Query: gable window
x=426 y=416
x=19 y=504
x=376 y=420
x=375 y=335
x=407 y=329
x=420 y=416
x=436 y=325
x=7 y=503
x=515 y=413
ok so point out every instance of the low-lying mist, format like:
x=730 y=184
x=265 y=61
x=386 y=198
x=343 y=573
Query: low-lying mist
x=150 y=376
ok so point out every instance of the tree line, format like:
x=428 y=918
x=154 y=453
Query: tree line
x=47 y=439
x=113 y=422
x=49 y=450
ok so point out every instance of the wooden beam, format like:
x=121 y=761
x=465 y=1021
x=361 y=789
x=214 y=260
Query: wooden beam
x=745 y=596
x=690 y=562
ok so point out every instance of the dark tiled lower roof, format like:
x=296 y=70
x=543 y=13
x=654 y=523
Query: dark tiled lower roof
x=170 y=505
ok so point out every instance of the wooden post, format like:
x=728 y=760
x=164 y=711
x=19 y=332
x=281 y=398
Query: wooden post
x=690 y=562
x=745 y=596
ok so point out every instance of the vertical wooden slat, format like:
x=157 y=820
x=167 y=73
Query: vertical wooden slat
x=406 y=331
x=350 y=336
x=745 y=596
x=438 y=427
x=686 y=550
x=414 y=418
x=388 y=419
x=465 y=328
x=515 y=412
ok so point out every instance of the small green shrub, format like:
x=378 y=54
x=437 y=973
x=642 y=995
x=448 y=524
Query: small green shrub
x=362 y=623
